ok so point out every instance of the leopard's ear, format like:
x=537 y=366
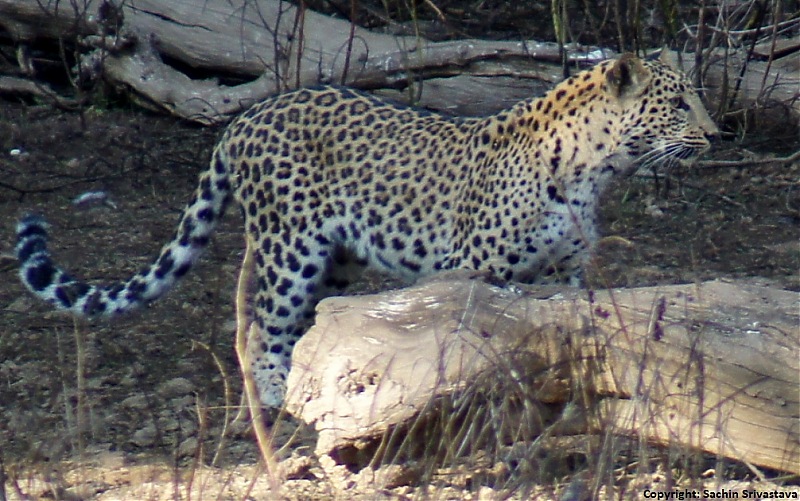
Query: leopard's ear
x=628 y=77
x=663 y=56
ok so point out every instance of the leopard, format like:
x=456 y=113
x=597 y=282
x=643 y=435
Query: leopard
x=331 y=180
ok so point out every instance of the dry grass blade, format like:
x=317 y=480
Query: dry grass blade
x=246 y=333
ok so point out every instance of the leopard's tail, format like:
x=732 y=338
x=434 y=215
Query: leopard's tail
x=49 y=282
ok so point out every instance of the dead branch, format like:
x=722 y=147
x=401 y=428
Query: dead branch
x=750 y=162
x=265 y=46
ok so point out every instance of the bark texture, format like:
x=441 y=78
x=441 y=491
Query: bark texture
x=712 y=367
x=158 y=51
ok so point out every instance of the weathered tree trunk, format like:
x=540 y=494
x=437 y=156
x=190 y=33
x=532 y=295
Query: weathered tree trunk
x=711 y=367
x=270 y=43
x=267 y=45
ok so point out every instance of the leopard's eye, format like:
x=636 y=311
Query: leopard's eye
x=679 y=103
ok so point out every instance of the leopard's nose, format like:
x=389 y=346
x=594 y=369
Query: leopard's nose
x=710 y=130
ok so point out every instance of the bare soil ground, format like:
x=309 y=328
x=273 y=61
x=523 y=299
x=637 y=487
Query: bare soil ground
x=144 y=413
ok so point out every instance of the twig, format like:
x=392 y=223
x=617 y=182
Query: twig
x=754 y=31
x=709 y=192
x=227 y=392
x=3 y=479
x=687 y=184
x=50 y=189
x=438 y=12
x=350 y=37
x=17 y=85
x=81 y=409
x=746 y=162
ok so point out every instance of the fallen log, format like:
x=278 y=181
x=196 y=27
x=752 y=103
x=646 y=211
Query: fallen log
x=164 y=54
x=267 y=45
x=710 y=367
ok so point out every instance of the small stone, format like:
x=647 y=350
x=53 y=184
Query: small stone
x=188 y=447
x=296 y=467
x=654 y=211
x=137 y=402
x=144 y=437
x=177 y=387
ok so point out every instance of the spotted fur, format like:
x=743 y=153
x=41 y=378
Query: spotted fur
x=331 y=179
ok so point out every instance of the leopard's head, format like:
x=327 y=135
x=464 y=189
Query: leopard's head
x=664 y=120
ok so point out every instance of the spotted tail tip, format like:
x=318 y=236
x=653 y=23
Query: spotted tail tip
x=31 y=238
x=36 y=268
